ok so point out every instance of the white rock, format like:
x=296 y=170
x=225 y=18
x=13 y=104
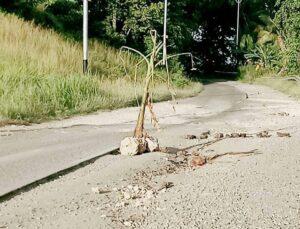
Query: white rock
x=127 y=223
x=149 y=194
x=132 y=146
x=138 y=203
x=121 y=204
x=126 y=195
x=152 y=144
x=130 y=187
x=96 y=190
x=163 y=190
x=136 y=189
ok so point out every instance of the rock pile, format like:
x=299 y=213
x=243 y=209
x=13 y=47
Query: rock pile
x=132 y=146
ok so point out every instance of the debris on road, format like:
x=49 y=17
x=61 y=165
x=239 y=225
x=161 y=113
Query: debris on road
x=201 y=160
x=132 y=146
x=263 y=134
x=219 y=135
x=182 y=153
x=152 y=144
x=128 y=223
x=164 y=150
x=237 y=135
x=204 y=135
x=177 y=159
x=242 y=135
x=136 y=192
x=284 y=114
x=98 y=190
x=165 y=186
x=282 y=135
x=167 y=189
x=247 y=153
x=190 y=137
x=198 y=161
x=233 y=135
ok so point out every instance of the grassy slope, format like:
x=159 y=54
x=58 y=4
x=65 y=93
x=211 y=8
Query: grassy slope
x=40 y=75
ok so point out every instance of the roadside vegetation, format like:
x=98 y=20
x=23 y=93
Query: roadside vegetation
x=289 y=87
x=40 y=54
x=272 y=50
x=40 y=75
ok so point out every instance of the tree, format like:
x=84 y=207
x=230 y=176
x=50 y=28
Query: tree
x=272 y=41
x=287 y=20
x=204 y=27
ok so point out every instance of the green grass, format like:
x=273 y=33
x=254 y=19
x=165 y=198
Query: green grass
x=40 y=75
x=250 y=74
x=291 y=88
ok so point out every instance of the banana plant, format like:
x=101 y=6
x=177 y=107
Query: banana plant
x=152 y=61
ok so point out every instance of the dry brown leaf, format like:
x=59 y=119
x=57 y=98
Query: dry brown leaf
x=154 y=119
x=165 y=185
x=198 y=161
x=242 y=135
x=182 y=153
x=263 y=134
x=283 y=114
x=235 y=135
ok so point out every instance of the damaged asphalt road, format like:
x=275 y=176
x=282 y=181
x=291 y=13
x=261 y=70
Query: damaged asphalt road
x=255 y=182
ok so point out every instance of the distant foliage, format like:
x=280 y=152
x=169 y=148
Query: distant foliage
x=275 y=43
x=40 y=75
x=269 y=28
x=288 y=21
x=128 y=22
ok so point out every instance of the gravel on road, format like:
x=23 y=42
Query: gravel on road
x=250 y=176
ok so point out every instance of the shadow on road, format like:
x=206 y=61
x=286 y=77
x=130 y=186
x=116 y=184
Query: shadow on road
x=210 y=78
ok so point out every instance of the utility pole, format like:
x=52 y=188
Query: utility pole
x=165 y=33
x=238 y=21
x=85 y=36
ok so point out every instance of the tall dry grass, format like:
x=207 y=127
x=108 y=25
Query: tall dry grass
x=32 y=49
x=40 y=75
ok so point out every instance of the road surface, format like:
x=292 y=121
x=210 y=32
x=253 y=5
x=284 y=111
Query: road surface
x=28 y=154
x=243 y=191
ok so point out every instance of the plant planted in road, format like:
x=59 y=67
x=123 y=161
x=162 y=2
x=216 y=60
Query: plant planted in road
x=141 y=141
x=138 y=143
